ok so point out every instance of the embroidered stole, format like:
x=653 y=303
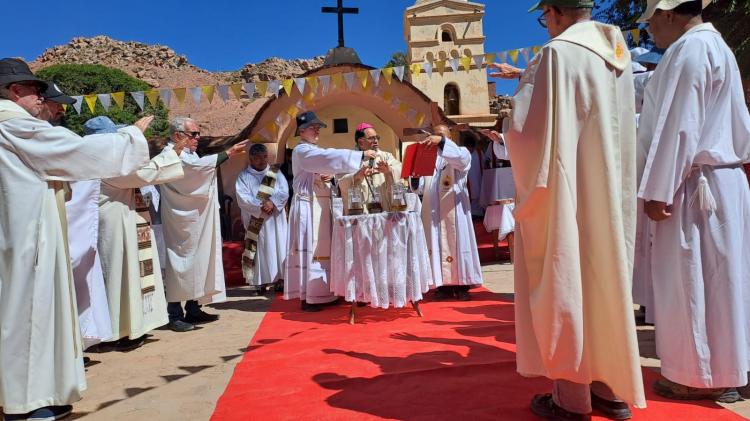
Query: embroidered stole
x=145 y=253
x=448 y=244
x=252 y=232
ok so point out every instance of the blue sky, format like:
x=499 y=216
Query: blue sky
x=224 y=34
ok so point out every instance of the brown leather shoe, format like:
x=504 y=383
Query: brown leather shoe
x=545 y=407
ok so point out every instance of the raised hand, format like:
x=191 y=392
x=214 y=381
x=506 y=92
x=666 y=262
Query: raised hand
x=505 y=71
x=143 y=123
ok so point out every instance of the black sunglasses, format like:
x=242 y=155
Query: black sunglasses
x=192 y=134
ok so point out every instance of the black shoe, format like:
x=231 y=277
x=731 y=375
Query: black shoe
x=545 y=407
x=463 y=295
x=201 y=316
x=615 y=410
x=126 y=344
x=311 y=308
x=443 y=293
x=180 y=326
x=48 y=413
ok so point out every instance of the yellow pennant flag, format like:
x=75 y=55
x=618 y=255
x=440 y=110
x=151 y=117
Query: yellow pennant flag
x=308 y=97
x=440 y=64
x=292 y=111
x=416 y=68
x=388 y=96
x=288 y=84
x=636 y=34
x=466 y=62
x=403 y=108
x=362 y=75
x=490 y=58
x=65 y=108
x=312 y=82
x=237 y=90
x=119 y=98
x=388 y=73
x=514 y=55
x=261 y=86
x=180 y=94
x=272 y=128
x=338 y=80
x=208 y=91
x=90 y=101
x=153 y=96
x=420 y=119
x=536 y=49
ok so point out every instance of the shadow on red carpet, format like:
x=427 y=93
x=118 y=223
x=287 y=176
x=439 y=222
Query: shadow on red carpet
x=456 y=363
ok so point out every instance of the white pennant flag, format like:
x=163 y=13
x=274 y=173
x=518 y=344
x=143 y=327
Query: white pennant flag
x=395 y=102
x=479 y=60
x=301 y=105
x=503 y=57
x=428 y=68
x=78 y=103
x=399 y=71
x=349 y=78
x=264 y=134
x=325 y=81
x=106 y=101
x=375 y=73
x=250 y=89
x=300 y=82
x=196 y=94
x=274 y=86
x=166 y=96
x=279 y=119
x=411 y=114
x=223 y=92
x=138 y=97
x=525 y=54
x=454 y=64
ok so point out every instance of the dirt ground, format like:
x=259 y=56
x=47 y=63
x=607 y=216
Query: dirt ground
x=180 y=376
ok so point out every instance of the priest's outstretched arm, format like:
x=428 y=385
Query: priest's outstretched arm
x=161 y=169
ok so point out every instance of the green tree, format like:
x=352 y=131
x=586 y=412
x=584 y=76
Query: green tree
x=84 y=79
x=729 y=17
x=397 y=59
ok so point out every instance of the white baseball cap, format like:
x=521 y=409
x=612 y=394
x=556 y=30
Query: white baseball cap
x=653 y=5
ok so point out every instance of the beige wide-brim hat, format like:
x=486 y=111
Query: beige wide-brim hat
x=652 y=5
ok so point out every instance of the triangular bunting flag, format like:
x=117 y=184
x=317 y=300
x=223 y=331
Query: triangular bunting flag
x=274 y=86
x=503 y=58
x=65 y=108
x=166 y=97
x=419 y=119
x=153 y=96
x=338 y=80
x=90 y=101
x=479 y=61
x=325 y=81
x=513 y=55
x=237 y=90
x=292 y=111
x=79 y=101
x=415 y=69
x=208 y=91
x=636 y=34
x=363 y=76
x=196 y=94
x=411 y=114
x=180 y=94
x=263 y=133
x=118 y=97
x=223 y=92
x=388 y=73
x=288 y=84
x=454 y=64
x=309 y=96
x=525 y=54
x=428 y=68
x=139 y=98
x=261 y=87
x=375 y=75
x=300 y=82
x=312 y=81
x=272 y=128
x=440 y=66
x=349 y=78
x=249 y=89
x=466 y=63
x=399 y=72
x=105 y=100
x=490 y=57
x=536 y=49
x=387 y=96
x=403 y=108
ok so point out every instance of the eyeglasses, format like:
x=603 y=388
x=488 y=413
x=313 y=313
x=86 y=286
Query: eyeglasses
x=192 y=134
x=543 y=18
x=373 y=138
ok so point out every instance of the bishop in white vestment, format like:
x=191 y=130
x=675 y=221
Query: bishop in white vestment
x=572 y=139
x=446 y=215
x=262 y=193
x=41 y=360
x=307 y=267
x=693 y=138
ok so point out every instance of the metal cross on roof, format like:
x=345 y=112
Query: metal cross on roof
x=341 y=11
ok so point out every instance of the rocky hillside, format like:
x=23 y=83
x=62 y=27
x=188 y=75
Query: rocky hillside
x=162 y=67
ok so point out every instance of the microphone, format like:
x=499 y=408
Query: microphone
x=371 y=162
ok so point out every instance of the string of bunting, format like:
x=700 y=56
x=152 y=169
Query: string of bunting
x=363 y=78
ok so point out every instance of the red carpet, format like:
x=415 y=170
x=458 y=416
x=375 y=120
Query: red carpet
x=232 y=258
x=456 y=363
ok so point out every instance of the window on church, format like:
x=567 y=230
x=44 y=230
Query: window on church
x=447 y=36
x=452 y=100
x=340 y=125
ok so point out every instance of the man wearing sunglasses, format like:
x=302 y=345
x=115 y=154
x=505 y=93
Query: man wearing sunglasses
x=377 y=178
x=572 y=139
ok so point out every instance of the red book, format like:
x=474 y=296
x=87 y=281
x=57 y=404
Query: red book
x=419 y=161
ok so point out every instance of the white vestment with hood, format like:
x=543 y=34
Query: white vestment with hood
x=572 y=139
